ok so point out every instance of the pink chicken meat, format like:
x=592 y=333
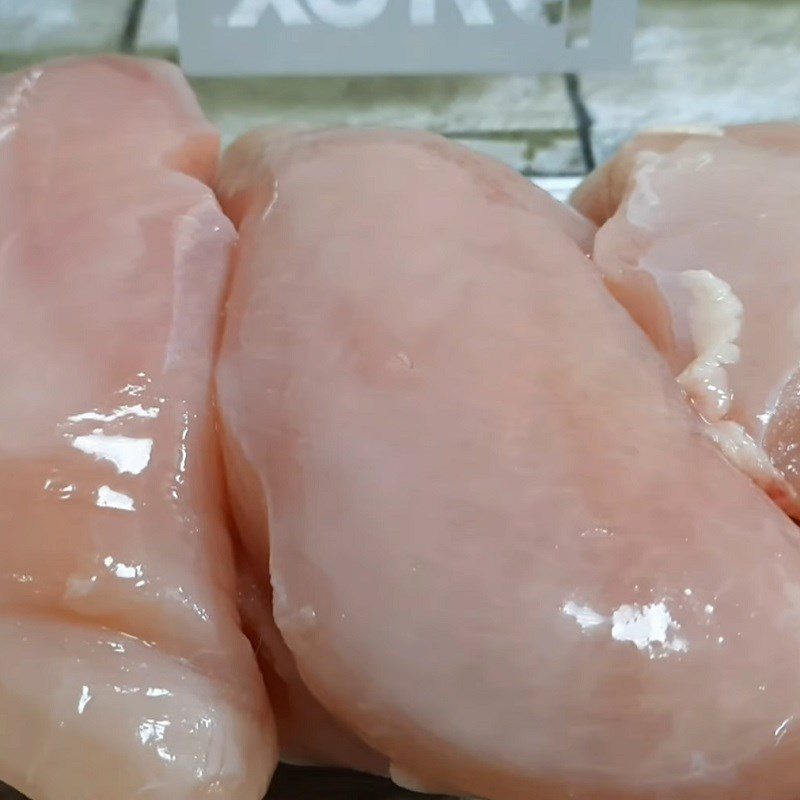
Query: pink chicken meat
x=502 y=550
x=601 y=193
x=307 y=734
x=123 y=668
x=699 y=241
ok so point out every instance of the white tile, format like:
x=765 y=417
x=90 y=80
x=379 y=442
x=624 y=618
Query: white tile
x=37 y=28
x=560 y=188
x=716 y=61
x=513 y=152
x=438 y=103
x=562 y=155
x=541 y=153
x=158 y=32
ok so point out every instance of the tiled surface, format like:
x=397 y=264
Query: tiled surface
x=158 y=33
x=32 y=29
x=702 y=61
x=437 y=103
x=532 y=152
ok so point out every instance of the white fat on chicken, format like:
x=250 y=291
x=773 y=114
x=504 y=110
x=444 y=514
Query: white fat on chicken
x=727 y=201
x=716 y=321
x=715 y=317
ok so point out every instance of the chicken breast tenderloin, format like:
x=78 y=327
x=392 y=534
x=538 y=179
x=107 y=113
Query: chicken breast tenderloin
x=700 y=243
x=502 y=548
x=123 y=669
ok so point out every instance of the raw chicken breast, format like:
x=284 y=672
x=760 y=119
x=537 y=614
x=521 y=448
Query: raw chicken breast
x=783 y=137
x=701 y=245
x=501 y=548
x=600 y=194
x=123 y=669
x=307 y=734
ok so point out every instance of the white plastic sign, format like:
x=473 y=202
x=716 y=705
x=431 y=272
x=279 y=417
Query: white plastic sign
x=384 y=37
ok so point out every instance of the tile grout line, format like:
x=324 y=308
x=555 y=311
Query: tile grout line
x=583 y=119
x=130 y=32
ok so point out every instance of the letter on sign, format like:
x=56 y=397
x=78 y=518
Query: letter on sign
x=248 y=13
x=348 y=15
x=402 y=37
x=474 y=12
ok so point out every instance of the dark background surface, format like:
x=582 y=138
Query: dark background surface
x=300 y=783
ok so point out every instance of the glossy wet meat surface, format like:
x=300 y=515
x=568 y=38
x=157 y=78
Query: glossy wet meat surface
x=123 y=668
x=699 y=242
x=503 y=550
